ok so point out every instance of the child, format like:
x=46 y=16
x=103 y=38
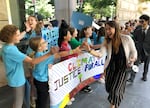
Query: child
x=40 y=72
x=74 y=42
x=63 y=42
x=85 y=35
x=99 y=39
x=36 y=27
x=13 y=61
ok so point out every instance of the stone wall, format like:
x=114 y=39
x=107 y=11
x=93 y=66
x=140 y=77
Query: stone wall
x=127 y=10
x=3 y=13
x=64 y=9
x=4 y=19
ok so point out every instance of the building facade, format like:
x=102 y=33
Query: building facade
x=127 y=10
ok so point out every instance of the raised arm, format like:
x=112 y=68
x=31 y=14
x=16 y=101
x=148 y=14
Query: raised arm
x=66 y=53
x=34 y=61
x=28 y=28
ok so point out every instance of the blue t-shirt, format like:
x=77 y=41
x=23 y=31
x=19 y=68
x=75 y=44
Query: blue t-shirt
x=29 y=36
x=88 y=40
x=100 y=41
x=13 y=62
x=40 y=71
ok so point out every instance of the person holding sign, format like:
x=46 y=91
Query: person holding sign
x=40 y=71
x=63 y=42
x=121 y=54
x=13 y=61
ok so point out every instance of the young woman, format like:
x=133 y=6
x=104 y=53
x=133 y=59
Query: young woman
x=121 y=54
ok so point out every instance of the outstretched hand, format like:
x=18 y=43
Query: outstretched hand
x=54 y=50
x=78 y=50
x=85 y=46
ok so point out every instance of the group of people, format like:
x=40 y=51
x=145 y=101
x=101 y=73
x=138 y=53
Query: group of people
x=139 y=31
x=121 y=50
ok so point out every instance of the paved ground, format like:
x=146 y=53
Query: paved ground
x=137 y=95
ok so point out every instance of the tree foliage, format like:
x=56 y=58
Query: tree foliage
x=43 y=7
x=101 y=3
x=144 y=0
x=99 y=7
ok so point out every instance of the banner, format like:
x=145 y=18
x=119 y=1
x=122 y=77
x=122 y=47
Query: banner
x=65 y=76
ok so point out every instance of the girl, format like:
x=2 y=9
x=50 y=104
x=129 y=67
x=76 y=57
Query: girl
x=121 y=53
x=100 y=37
x=74 y=42
x=40 y=72
x=36 y=28
x=85 y=35
x=63 y=42
x=13 y=61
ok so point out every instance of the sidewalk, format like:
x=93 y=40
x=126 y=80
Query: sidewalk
x=137 y=95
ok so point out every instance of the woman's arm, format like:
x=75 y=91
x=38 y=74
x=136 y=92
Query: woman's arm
x=98 y=46
x=96 y=53
x=133 y=51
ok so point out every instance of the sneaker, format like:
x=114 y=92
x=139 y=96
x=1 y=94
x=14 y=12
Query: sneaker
x=69 y=103
x=101 y=80
x=130 y=80
x=87 y=90
x=144 y=78
x=72 y=99
x=32 y=103
x=89 y=87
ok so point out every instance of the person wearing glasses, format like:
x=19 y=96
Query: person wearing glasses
x=142 y=42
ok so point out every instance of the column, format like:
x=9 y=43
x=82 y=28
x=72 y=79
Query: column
x=64 y=9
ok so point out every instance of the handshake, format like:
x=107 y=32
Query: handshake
x=83 y=47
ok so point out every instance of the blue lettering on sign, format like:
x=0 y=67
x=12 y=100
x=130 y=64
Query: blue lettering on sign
x=94 y=64
x=51 y=36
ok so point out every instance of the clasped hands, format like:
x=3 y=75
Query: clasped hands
x=84 y=46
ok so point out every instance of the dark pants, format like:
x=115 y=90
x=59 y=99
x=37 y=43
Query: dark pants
x=42 y=94
x=146 y=65
x=132 y=73
x=145 y=60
